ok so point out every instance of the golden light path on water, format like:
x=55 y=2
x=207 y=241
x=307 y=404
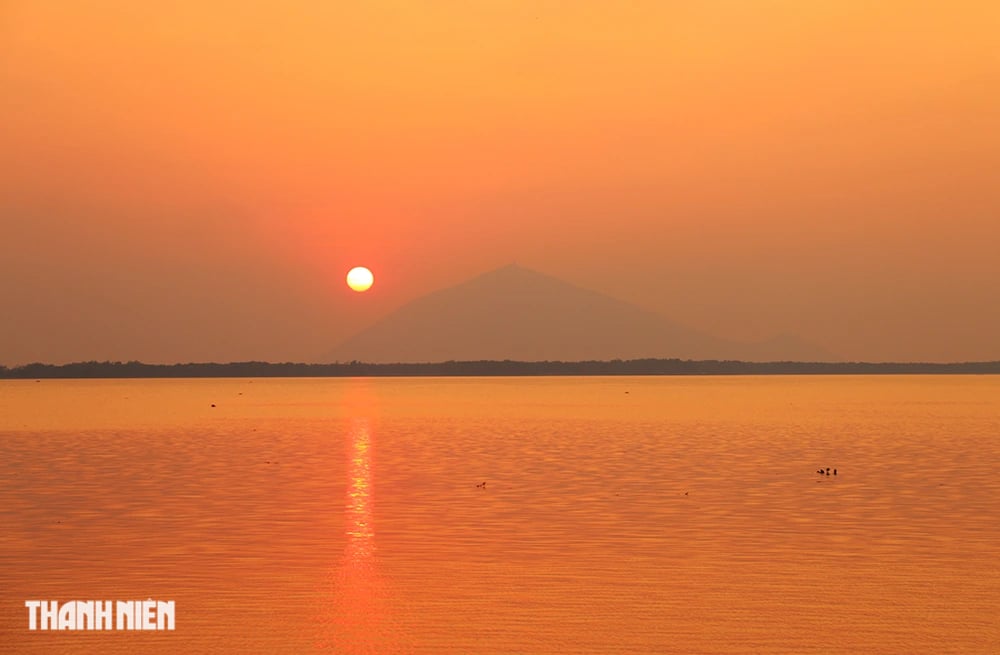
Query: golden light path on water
x=357 y=620
x=360 y=532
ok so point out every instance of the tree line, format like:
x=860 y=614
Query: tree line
x=135 y=369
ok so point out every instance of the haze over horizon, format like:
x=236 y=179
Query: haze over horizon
x=515 y=313
x=190 y=183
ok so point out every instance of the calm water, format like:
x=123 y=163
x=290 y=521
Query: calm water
x=620 y=515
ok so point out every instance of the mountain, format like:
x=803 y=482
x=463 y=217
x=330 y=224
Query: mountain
x=520 y=314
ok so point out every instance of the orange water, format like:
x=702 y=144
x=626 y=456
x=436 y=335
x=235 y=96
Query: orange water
x=620 y=515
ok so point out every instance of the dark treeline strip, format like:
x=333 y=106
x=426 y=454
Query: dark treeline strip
x=485 y=368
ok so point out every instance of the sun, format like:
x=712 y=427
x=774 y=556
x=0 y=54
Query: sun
x=360 y=279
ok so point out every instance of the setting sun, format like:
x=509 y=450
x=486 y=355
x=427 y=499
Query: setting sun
x=360 y=278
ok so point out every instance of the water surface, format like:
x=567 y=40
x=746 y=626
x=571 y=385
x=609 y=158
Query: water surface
x=619 y=515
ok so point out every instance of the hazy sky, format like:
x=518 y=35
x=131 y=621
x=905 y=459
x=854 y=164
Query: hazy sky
x=191 y=180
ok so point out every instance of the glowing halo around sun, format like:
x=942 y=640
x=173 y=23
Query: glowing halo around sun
x=360 y=279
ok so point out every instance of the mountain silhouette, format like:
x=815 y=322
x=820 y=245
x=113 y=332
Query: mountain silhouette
x=519 y=314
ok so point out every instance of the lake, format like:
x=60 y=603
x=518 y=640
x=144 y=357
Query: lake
x=618 y=514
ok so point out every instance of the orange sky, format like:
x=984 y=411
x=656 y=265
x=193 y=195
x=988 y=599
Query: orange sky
x=181 y=182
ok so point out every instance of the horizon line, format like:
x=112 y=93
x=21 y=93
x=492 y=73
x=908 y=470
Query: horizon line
x=485 y=368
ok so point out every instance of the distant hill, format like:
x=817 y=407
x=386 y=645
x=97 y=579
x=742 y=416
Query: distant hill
x=519 y=314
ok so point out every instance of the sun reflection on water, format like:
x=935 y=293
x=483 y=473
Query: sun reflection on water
x=357 y=617
x=360 y=531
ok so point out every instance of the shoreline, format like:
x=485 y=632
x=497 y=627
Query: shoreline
x=487 y=368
